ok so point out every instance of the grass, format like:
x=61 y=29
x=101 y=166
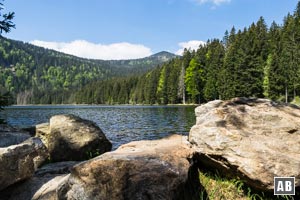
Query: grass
x=92 y=154
x=221 y=188
x=296 y=101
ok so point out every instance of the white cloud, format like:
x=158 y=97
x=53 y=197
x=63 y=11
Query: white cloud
x=192 y=45
x=84 y=49
x=216 y=2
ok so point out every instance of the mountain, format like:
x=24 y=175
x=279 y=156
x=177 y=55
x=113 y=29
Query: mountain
x=37 y=75
x=142 y=65
x=163 y=56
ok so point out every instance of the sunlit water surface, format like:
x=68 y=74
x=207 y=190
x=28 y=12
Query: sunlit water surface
x=121 y=124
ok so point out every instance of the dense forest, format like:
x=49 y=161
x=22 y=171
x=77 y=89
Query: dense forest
x=258 y=61
x=35 y=75
x=254 y=62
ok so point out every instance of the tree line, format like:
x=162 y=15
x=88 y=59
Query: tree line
x=256 y=61
x=35 y=75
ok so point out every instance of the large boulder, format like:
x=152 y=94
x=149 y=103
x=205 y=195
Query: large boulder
x=44 y=185
x=11 y=136
x=19 y=162
x=69 y=137
x=255 y=139
x=160 y=169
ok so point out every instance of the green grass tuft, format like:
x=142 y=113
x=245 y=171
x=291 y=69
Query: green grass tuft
x=221 y=188
x=296 y=101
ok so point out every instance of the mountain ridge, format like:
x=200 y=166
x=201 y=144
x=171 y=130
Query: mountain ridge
x=159 y=54
x=34 y=74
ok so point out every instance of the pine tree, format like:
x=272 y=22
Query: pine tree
x=225 y=40
x=6 y=20
x=297 y=50
x=255 y=52
x=214 y=62
x=228 y=73
x=276 y=71
x=289 y=56
x=173 y=80
x=151 y=86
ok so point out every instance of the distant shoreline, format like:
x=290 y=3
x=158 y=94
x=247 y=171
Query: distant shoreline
x=19 y=105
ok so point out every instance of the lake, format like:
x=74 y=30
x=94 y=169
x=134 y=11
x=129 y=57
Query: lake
x=121 y=124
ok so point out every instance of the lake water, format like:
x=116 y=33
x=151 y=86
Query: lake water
x=121 y=124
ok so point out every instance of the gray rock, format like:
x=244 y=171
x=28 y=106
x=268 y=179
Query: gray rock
x=55 y=168
x=19 y=162
x=44 y=185
x=69 y=137
x=43 y=131
x=11 y=136
x=158 y=169
x=255 y=139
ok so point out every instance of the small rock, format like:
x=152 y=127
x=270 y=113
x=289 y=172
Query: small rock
x=19 y=162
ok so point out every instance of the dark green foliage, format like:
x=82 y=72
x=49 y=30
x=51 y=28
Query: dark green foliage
x=276 y=79
x=6 y=20
x=285 y=64
x=35 y=75
x=5 y=25
x=214 y=59
x=290 y=56
x=253 y=62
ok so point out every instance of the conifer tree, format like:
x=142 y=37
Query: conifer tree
x=5 y=26
x=228 y=73
x=214 y=62
x=6 y=20
x=289 y=56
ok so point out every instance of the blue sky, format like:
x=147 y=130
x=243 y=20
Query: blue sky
x=115 y=29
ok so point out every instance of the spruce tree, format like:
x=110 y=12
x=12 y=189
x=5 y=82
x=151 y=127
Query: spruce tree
x=289 y=56
x=214 y=62
x=276 y=71
x=228 y=73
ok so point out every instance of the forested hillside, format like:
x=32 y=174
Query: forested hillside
x=35 y=75
x=258 y=61
x=254 y=62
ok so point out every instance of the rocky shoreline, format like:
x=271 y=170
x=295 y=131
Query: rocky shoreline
x=253 y=140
